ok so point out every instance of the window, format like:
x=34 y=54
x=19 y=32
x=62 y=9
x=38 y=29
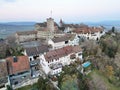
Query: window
x=79 y=54
x=73 y=56
x=30 y=59
x=52 y=60
x=2 y=86
x=23 y=77
x=93 y=34
x=101 y=32
x=36 y=68
x=78 y=36
x=66 y=42
x=97 y=39
x=16 y=83
x=36 y=39
x=35 y=57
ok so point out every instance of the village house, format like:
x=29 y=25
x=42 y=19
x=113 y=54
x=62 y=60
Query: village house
x=56 y=69
x=66 y=28
x=83 y=31
x=34 y=54
x=3 y=75
x=57 y=58
x=18 y=70
x=63 y=40
x=90 y=32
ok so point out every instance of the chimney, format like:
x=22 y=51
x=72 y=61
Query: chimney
x=15 y=59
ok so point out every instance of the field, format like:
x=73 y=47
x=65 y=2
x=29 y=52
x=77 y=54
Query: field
x=100 y=82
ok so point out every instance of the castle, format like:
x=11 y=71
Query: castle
x=44 y=30
x=50 y=29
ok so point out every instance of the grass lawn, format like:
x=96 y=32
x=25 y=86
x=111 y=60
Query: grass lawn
x=101 y=82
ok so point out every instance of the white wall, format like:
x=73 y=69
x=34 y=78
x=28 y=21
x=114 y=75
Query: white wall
x=64 y=60
x=44 y=64
x=75 y=41
x=56 y=71
x=58 y=44
x=92 y=36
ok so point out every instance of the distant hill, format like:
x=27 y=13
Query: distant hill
x=114 y=23
x=105 y=23
x=11 y=28
x=18 y=23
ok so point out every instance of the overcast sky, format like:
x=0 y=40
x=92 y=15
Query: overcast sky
x=68 y=10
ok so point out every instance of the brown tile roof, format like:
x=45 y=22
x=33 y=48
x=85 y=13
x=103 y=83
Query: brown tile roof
x=77 y=49
x=58 y=53
x=21 y=65
x=74 y=25
x=66 y=37
x=96 y=29
x=26 y=32
x=31 y=51
x=82 y=30
x=85 y=30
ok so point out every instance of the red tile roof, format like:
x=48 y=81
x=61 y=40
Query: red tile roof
x=96 y=29
x=85 y=30
x=58 y=53
x=21 y=65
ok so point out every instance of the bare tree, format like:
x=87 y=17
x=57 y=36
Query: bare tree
x=11 y=40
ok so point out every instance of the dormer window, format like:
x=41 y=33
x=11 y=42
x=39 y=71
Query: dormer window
x=101 y=31
x=66 y=42
x=73 y=56
x=79 y=54
x=15 y=59
x=30 y=59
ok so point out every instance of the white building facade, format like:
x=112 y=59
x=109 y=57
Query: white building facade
x=59 y=42
x=53 y=60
